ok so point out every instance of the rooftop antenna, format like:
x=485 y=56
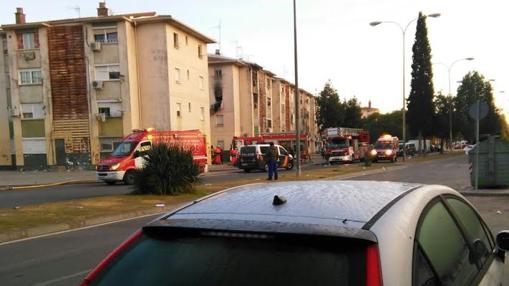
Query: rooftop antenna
x=76 y=9
x=239 y=51
x=219 y=39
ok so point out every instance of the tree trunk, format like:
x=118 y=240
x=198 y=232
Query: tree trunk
x=441 y=145
x=424 y=150
x=419 y=151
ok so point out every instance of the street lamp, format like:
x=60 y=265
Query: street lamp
x=403 y=32
x=449 y=69
x=297 y=92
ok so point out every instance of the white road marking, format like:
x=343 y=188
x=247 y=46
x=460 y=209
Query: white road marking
x=81 y=228
x=62 y=278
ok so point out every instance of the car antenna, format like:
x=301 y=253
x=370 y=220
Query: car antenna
x=278 y=200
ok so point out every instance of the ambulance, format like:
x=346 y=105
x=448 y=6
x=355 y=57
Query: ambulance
x=129 y=155
x=386 y=148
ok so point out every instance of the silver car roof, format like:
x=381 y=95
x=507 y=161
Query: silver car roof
x=350 y=204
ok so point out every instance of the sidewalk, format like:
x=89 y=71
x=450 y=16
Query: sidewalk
x=485 y=192
x=9 y=179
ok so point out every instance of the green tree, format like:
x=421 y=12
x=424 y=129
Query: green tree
x=378 y=124
x=473 y=87
x=353 y=114
x=443 y=107
x=330 y=111
x=168 y=170
x=420 y=101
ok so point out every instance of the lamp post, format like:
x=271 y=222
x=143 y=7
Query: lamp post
x=403 y=32
x=297 y=93
x=449 y=69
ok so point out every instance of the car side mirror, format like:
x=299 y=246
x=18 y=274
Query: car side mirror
x=136 y=154
x=503 y=240
x=502 y=243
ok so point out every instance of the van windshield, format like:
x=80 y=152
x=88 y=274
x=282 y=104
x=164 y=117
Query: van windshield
x=383 y=145
x=211 y=260
x=125 y=148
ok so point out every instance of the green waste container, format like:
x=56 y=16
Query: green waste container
x=493 y=162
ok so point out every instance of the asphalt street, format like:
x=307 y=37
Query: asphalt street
x=64 y=259
x=19 y=198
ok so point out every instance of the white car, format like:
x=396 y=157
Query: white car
x=468 y=148
x=314 y=233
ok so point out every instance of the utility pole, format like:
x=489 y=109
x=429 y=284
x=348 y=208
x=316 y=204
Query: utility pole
x=297 y=99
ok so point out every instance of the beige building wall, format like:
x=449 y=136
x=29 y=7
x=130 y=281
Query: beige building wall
x=247 y=116
x=5 y=141
x=189 y=82
x=230 y=108
x=153 y=76
x=15 y=97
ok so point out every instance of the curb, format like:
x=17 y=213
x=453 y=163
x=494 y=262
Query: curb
x=368 y=172
x=55 y=228
x=34 y=186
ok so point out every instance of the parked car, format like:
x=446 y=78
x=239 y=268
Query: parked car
x=313 y=233
x=468 y=148
x=252 y=157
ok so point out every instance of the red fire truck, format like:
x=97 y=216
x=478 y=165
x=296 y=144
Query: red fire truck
x=344 y=144
x=129 y=155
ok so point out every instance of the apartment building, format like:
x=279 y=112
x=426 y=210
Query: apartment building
x=80 y=85
x=247 y=100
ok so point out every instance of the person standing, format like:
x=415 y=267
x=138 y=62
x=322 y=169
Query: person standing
x=272 y=158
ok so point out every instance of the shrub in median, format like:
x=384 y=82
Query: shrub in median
x=168 y=170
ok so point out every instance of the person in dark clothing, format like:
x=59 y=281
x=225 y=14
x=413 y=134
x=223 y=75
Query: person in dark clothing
x=272 y=157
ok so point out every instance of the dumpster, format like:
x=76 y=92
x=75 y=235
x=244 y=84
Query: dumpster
x=493 y=162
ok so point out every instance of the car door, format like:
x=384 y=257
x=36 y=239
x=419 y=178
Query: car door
x=453 y=246
x=283 y=157
x=477 y=232
x=143 y=148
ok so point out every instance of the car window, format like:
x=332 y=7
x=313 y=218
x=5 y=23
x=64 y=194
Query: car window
x=247 y=150
x=282 y=151
x=264 y=149
x=237 y=261
x=443 y=244
x=423 y=273
x=144 y=147
x=475 y=231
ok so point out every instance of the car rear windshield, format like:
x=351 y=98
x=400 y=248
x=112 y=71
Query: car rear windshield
x=238 y=260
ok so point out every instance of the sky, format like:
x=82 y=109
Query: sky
x=335 y=40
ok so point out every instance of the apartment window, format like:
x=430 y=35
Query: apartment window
x=219 y=120
x=105 y=36
x=179 y=109
x=220 y=143
x=177 y=75
x=4 y=45
x=28 y=40
x=202 y=113
x=189 y=106
x=105 y=111
x=269 y=123
x=200 y=52
x=188 y=76
x=175 y=40
x=32 y=110
x=268 y=83
x=107 y=72
x=30 y=77
x=218 y=73
x=187 y=41
x=201 y=82
x=269 y=101
x=255 y=100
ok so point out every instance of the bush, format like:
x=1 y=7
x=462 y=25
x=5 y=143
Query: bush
x=169 y=170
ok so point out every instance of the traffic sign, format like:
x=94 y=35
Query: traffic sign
x=483 y=110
